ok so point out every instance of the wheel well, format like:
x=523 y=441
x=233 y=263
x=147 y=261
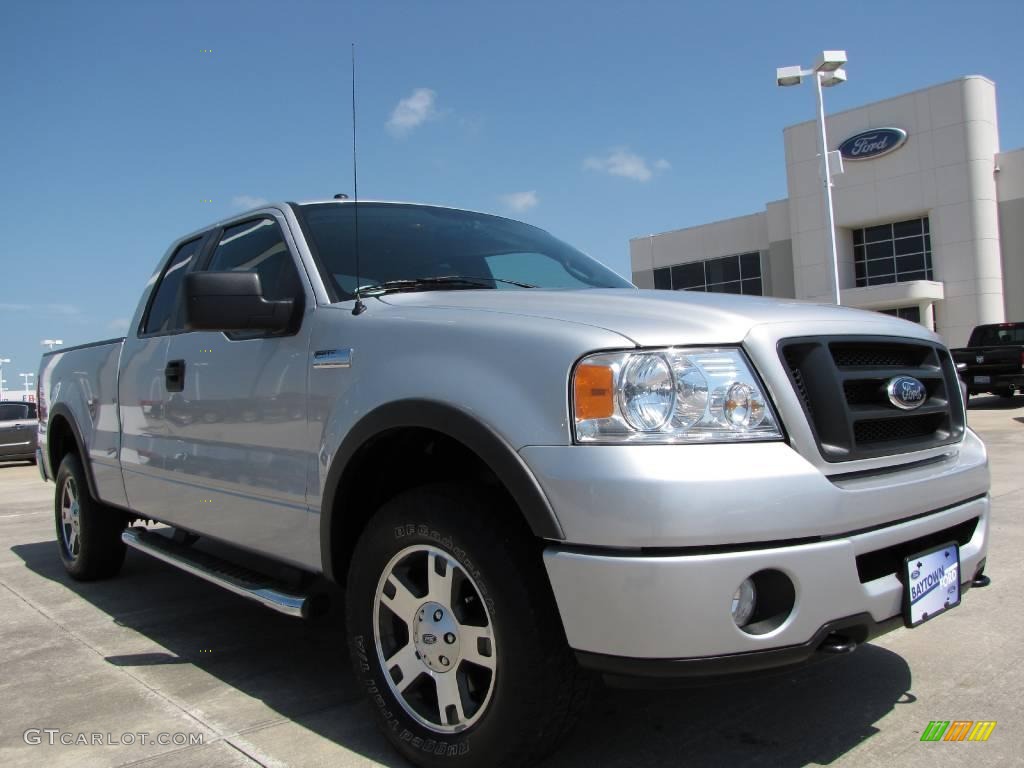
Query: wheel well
x=390 y=463
x=60 y=441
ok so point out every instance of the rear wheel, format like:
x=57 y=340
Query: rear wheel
x=88 y=533
x=454 y=633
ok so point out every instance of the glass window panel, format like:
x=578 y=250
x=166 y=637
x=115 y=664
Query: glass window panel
x=909 y=245
x=880 y=250
x=928 y=242
x=258 y=246
x=858 y=236
x=752 y=287
x=881 y=279
x=700 y=288
x=731 y=287
x=723 y=270
x=874 y=234
x=858 y=253
x=688 y=275
x=663 y=279
x=750 y=265
x=166 y=303
x=925 y=222
x=905 y=276
x=860 y=268
x=861 y=282
x=910 y=263
x=906 y=228
x=880 y=267
x=913 y=314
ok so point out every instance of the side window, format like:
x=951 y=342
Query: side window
x=13 y=411
x=162 y=310
x=258 y=246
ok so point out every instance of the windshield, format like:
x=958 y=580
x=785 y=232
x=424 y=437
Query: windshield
x=995 y=335
x=410 y=242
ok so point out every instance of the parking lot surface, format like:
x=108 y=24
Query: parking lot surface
x=161 y=653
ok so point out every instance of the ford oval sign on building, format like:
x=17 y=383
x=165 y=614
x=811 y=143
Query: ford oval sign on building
x=875 y=143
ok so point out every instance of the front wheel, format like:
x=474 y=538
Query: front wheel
x=454 y=633
x=88 y=532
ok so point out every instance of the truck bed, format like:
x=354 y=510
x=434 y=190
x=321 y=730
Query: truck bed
x=81 y=383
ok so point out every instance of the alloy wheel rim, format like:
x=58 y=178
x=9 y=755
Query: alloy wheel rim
x=70 y=517
x=434 y=639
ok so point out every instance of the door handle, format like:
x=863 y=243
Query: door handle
x=174 y=376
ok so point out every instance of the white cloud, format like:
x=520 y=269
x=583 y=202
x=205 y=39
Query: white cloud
x=119 y=325
x=412 y=111
x=243 y=202
x=621 y=162
x=520 y=201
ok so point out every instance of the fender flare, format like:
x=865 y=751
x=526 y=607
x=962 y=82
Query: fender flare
x=459 y=425
x=62 y=410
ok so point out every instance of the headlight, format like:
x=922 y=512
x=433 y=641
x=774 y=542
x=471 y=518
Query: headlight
x=670 y=396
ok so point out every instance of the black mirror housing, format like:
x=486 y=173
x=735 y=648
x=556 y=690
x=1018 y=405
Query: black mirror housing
x=232 y=301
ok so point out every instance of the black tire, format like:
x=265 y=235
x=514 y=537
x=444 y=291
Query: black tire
x=94 y=550
x=538 y=689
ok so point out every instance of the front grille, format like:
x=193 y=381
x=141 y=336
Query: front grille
x=841 y=384
x=882 y=562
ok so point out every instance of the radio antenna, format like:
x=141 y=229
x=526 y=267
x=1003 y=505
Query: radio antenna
x=359 y=308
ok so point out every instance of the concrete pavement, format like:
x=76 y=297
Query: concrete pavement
x=162 y=653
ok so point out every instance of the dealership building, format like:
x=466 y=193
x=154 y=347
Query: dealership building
x=929 y=218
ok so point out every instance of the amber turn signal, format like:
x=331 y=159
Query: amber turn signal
x=592 y=392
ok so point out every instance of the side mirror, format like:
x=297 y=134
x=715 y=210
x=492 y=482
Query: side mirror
x=232 y=301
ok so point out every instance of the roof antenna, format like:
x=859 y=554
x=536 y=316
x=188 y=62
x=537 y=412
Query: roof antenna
x=359 y=308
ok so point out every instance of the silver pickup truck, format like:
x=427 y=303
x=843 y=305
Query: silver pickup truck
x=523 y=470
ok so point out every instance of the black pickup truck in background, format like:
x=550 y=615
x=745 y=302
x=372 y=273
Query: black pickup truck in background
x=993 y=360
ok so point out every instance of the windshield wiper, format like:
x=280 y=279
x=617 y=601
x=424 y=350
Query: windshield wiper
x=446 y=281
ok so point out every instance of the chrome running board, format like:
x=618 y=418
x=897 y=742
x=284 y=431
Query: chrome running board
x=234 y=578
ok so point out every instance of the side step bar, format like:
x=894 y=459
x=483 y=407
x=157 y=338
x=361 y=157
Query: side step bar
x=231 y=577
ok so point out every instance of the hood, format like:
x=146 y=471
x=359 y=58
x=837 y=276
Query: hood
x=665 y=318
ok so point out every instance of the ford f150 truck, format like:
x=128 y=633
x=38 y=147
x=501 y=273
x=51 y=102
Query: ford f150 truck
x=993 y=360
x=523 y=470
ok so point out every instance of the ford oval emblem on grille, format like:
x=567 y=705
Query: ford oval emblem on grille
x=906 y=392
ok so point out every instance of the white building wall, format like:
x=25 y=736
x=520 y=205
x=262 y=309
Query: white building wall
x=944 y=171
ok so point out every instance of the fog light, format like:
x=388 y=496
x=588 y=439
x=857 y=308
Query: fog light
x=743 y=602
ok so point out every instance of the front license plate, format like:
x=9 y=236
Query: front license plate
x=932 y=580
x=982 y=379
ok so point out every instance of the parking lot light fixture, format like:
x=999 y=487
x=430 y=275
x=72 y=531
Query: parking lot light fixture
x=51 y=343
x=827 y=72
x=830 y=61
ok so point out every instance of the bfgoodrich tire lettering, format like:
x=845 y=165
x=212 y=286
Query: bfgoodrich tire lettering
x=523 y=688
x=88 y=533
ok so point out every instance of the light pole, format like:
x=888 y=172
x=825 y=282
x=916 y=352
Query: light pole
x=827 y=71
x=2 y=380
x=26 y=383
x=51 y=343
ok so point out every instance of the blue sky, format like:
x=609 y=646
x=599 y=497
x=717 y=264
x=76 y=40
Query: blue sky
x=599 y=121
